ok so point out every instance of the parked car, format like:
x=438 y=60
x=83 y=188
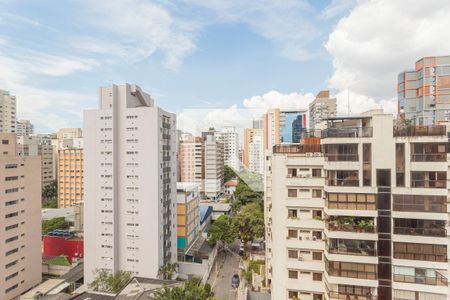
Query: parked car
x=235 y=281
x=241 y=250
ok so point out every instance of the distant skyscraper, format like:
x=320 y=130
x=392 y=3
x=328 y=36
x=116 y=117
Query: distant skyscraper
x=7 y=112
x=424 y=93
x=230 y=140
x=256 y=153
x=20 y=221
x=321 y=108
x=70 y=177
x=130 y=171
x=279 y=126
x=214 y=164
x=24 y=127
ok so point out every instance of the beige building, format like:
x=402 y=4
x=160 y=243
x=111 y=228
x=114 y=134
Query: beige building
x=20 y=220
x=69 y=133
x=381 y=219
x=24 y=128
x=188 y=219
x=37 y=146
x=322 y=108
x=70 y=178
x=7 y=112
x=191 y=154
x=214 y=164
x=253 y=150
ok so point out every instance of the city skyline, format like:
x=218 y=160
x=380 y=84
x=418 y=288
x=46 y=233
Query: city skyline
x=63 y=59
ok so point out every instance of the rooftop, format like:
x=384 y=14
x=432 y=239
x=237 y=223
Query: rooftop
x=187 y=186
x=93 y=296
x=232 y=182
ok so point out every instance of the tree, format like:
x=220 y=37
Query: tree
x=110 y=283
x=192 y=289
x=249 y=222
x=228 y=173
x=221 y=231
x=52 y=224
x=50 y=195
x=166 y=271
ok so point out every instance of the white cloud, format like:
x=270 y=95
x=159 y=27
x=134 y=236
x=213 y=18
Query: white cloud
x=350 y=103
x=335 y=8
x=274 y=99
x=381 y=38
x=140 y=29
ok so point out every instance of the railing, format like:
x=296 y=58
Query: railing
x=353 y=274
x=438 y=280
x=352 y=251
x=420 y=256
x=350 y=227
x=342 y=157
x=420 y=130
x=343 y=296
x=439 y=232
x=347 y=132
x=343 y=182
x=429 y=157
x=440 y=184
x=350 y=205
x=297 y=148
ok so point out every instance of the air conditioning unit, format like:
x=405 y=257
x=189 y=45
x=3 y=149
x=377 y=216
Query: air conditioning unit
x=300 y=238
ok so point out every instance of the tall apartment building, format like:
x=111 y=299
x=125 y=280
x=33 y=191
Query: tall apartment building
x=256 y=152
x=230 y=140
x=39 y=146
x=191 y=158
x=322 y=108
x=283 y=126
x=8 y=116
x=20 y=220
x=70 y=178
x=69 y=133
x=188 y=220
x=424 y=93
x=383 y=228
x=214 y=164
x=24 y=128
x=130 y=173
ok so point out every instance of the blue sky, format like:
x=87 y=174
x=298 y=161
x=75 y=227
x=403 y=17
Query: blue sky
x=204 y=54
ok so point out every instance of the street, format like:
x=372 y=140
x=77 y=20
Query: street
x=220 y=279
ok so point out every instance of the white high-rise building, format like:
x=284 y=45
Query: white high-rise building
x=130 y=173
x=7 y=112
x=230 y=140
x=322 y=108
x=24 y=128
x=256 y=152
x=214 y=164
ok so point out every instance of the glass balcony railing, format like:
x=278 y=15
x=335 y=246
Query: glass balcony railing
x=347 y=132
x=343 y=182
x=420 y=130
x=437 y=280
x=429 y=157
x=437 y=232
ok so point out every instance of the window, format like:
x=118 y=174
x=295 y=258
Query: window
x=426 y=252
x=12 y=239
x=292 y=253
x=292 y=172
x=292 y=294
x=292 y=193
x=292 y=233
x=317 y=255
x=292 y=214
x=420 y=203
x=11 y=288
x=316 y=172
x=317 y=276
x=5 y=142
x=317 y=193
x=11 y=215
x=293 y=274
x=11 y=251
x=11 y=276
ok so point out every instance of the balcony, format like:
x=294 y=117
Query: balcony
x=429 y=157
x=417 y=279
x=435 y=230
x=342 y=182
x=347 y=132
x=420 y=130
x=438 y=184
x=297 y=148
x=345 y=296
x=351 y=224
x=351 y=247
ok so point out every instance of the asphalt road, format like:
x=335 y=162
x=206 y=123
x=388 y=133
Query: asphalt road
x=220 y=279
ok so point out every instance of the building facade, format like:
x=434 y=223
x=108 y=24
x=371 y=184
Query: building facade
x=191 y=158
x=24 y=128
x=214 y=164
x=20 y=222
x=39 y=146
x=8 y=115
x=384 y=220
x=230 y=140
x=424 y=93
x=322 y=108
x=283 y=126
x=188 y=220
x=130 y=173
x=70 y=178
x=256 y=153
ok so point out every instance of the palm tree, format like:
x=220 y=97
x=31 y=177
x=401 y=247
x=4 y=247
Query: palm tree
x=192 y=289
x=166 y=271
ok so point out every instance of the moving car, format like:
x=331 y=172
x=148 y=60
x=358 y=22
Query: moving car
x=235 y=281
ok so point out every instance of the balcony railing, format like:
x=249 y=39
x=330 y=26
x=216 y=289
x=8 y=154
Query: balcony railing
x=342 y=182
x=342 y=157
x=352 y=251
x=352 y=226
x=347 y=132
x=439 y=184
x=438 y=280
x=429 y=157
x=297 y=148
x=438 y=232
x=420 y=130
x=343 y=296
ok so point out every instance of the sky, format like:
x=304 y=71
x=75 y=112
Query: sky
x=212 y=62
